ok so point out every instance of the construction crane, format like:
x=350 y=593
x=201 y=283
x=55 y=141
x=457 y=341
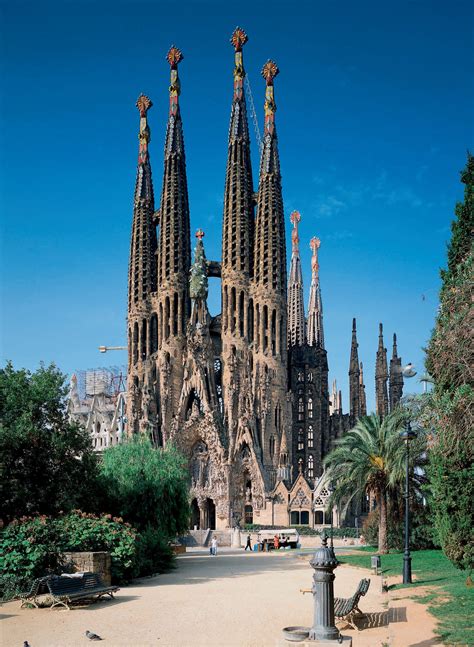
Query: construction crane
x=104 y=349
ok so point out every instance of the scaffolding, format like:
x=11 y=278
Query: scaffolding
x=109 y=381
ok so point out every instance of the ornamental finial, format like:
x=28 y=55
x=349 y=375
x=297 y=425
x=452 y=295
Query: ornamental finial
x=174 y=56
x=200 y=234
x=143 y=104
x=295 y=218
x=270 y=71
x=238 y=39
x=315 y=244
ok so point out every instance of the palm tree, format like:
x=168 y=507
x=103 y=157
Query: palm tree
x=370 y=459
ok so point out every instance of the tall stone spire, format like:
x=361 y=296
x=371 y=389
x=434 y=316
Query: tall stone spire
x=174 y=242
x=174 y=256
x=142 y=268
x=269 y=289
x=237 y=257
x=237 y=235
x=296 y=320
x=270 y=248
x=396 y=377
x=315 y=309
x=363 y=399
x=142 y=284
x=381 y=377
x=354 y=376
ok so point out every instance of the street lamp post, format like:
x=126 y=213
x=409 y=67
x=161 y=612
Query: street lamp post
x=407 y=434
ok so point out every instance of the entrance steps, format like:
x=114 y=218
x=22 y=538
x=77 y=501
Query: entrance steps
x=204 y=538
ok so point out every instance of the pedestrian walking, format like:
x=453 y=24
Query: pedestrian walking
x=249 y=543
x=214 y=546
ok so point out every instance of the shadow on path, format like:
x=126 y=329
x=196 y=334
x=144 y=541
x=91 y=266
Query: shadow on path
x=196 y=569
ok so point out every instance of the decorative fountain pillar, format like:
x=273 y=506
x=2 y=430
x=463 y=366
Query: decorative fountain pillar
x=324 y=562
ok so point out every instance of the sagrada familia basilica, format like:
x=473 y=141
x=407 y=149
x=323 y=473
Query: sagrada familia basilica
x=244 y=394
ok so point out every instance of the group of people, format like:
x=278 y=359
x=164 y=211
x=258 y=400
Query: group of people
x=266 y=544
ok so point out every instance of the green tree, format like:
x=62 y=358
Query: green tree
x=450 y=361
x=46 y=461
x=147 y=486
x=370 y=459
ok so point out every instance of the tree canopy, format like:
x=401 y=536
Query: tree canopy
x=371 y=459
x=450 y=362
x=147 y=486
x=47 y=462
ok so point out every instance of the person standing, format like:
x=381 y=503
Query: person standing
x=248 y=544
x=214 y=546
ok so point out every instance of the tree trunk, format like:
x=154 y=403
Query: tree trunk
x=382 y=505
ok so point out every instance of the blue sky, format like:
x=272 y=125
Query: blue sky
x=375 y=103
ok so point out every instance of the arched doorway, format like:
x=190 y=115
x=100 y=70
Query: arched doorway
x=210 y=514
x=195 y=515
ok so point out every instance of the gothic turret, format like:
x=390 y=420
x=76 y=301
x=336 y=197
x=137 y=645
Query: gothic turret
x=173 y=253
x=381 y=377
x=354 y=377
x=315 y=308
x=269 y=289
x=142 y=325
x=363 y=398
x=296 y=320
x=396 y=377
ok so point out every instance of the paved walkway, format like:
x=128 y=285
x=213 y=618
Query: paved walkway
x=234 y=599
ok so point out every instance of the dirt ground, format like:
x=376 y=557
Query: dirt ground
x=233 y=599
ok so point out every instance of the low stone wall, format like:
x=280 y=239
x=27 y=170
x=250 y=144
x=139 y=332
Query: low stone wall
x=90 y=562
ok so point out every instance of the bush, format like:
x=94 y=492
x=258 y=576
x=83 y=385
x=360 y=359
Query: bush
x=305 y=530
x=154 y=553
x=80 y=531
x=423 y=534
x=31 y=547
x=147 y=486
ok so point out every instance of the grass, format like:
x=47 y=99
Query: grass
x=452 y=603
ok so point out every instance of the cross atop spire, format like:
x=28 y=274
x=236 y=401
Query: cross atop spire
x=174 y=57
x=200 y=234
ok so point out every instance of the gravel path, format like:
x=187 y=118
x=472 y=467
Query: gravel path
x=234 y=599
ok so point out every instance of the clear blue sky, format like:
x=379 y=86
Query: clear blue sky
x=375 y=105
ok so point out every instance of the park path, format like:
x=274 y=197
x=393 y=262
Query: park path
x=234 y=599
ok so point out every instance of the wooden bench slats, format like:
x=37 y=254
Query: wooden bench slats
x=346 y=608
x=66 y=589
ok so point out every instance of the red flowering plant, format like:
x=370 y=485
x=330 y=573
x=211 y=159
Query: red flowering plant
x=31 y=547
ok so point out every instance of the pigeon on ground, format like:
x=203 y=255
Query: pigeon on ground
x=92 y=636
x=26 y=644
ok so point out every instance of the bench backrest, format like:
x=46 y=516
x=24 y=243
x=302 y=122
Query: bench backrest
x=67 y=585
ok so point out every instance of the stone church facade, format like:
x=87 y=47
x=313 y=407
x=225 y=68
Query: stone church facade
x=244 y=394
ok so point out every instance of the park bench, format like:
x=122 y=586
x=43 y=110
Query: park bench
x=345 y=609
x=63 y=589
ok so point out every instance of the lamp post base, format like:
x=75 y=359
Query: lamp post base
x=407 y=569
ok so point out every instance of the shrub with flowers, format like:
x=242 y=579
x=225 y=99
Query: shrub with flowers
x=31 y=547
